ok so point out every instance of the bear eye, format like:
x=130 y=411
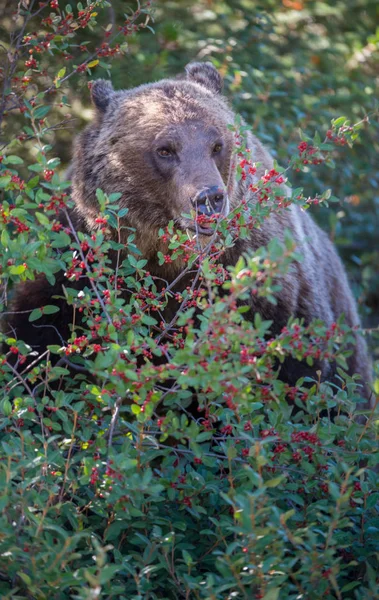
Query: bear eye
x=165 y=152
x=217 y=148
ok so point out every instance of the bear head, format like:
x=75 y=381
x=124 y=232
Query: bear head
x=166 y=147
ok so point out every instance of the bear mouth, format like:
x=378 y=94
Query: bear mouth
x=200 y=230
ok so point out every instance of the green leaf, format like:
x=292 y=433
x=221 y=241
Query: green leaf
x=60 y=74
x=338 y=122
x=133 y=261
x=272 y=594
x=93 y=63
x=147 y=320
x=187 y=558
x=36 y=167
x=203 y=436
x=19 y=212
x=32 y=183
x=113 y=531
x=231 y=452
x=35 y=314
x=49 y=309
x=25 y=578
x=6 y=407
x=275 y=481
x=5 y=180
x=350 y=586
x=104 y=360
x=54 y=348
x=43 y=219
x=61 y=240
x=5 y=239
x=41 y=112
x=17 y=270
x=13 y=160
x=372 y=500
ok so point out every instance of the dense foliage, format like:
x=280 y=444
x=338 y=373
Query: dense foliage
x=146 y=459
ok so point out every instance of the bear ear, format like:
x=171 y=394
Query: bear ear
x=205 y=74
x=101 y=93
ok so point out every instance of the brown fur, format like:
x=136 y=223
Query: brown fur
x=118 y=153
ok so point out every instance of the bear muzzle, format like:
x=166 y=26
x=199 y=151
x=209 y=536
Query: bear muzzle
x=210 y=205
x=210 y=201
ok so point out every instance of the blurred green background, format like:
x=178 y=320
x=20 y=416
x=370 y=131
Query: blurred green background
x=288 y=65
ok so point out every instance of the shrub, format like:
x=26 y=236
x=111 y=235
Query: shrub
x=149 y=460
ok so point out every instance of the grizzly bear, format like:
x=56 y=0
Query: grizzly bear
x=167 y=147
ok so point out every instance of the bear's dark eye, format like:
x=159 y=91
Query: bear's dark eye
x=165 y=152
x=217 y=148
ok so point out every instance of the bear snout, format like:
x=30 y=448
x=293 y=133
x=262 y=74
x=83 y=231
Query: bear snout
x=211 y=200
x=208 y=205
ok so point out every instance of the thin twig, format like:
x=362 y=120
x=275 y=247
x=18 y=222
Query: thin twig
x=112 y=425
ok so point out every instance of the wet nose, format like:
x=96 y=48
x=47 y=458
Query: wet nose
x=209 y=201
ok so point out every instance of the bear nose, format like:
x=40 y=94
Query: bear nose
x=209 y=201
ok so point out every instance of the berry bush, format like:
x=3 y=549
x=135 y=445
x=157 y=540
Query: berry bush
x=151 y=459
